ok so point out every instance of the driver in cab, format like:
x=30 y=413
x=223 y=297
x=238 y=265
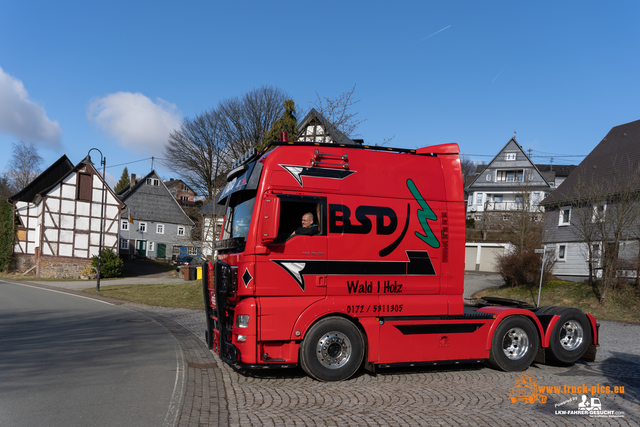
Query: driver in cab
x=308 y=228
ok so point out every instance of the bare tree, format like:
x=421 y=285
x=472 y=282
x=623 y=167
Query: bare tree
x=197 y=153
x=245 y=121
x=469 y=168
x=604 y=215
x=339 y=111
x=24 y=165
x=204 y=148
x=585 y=228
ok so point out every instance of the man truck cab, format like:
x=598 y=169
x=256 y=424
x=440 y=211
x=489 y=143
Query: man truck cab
x=382 y=281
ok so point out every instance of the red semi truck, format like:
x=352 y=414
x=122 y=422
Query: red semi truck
x=381 y=281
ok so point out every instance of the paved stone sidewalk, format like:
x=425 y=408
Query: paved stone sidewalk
x=470 y=395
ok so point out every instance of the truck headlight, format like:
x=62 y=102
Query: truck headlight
x=242 y=321
x=242 y=337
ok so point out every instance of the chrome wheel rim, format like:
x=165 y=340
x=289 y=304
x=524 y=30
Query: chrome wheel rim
x=571 y=335
x=515 y=343
x=333 y=350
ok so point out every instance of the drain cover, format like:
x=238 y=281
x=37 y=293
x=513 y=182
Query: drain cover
x=202 y=365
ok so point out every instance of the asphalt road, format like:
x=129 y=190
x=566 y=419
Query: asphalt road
x=72 y=361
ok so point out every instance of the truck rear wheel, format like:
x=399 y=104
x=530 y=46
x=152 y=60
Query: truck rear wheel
x=570 y=336
x=332 y=350
x=514 y=344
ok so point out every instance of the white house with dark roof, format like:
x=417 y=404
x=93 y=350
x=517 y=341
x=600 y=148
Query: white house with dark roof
x=58 y=220
x=154 y=225
x=510 y=182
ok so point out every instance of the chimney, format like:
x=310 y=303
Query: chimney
x=133 y=181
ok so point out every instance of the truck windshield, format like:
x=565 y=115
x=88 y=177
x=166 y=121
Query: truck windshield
x=238 y=215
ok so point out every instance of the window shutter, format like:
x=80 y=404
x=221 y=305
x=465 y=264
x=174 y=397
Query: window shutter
x=84 y=187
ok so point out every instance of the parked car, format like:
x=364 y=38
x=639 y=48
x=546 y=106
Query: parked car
x=185 y=260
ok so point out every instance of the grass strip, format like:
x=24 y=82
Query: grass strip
x=621 y=305
x=181 y=295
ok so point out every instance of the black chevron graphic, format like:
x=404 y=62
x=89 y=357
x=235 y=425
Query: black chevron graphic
x=298 y=172
x=419 y=264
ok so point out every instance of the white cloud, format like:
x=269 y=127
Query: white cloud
x=135 y=121
x=22 y=117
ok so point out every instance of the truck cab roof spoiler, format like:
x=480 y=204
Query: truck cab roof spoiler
x=451 y=148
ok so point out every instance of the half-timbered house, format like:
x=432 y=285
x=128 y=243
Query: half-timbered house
x=58 y=217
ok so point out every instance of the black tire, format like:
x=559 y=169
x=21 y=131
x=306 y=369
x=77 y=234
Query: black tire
x=545 y=309
x=514 y=344
x=208 y=311
x=570 y=337
x=332 y=350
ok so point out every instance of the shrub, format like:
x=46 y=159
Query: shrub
x=519 y=268
x=111 y=265
x=470 y=223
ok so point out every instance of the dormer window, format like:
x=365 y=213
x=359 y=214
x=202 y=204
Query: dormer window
x=510 y=176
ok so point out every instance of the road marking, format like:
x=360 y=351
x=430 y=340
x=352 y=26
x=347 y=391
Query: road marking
x=175 y=404
x=58 y=292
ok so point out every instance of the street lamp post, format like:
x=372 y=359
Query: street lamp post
x=103 y=162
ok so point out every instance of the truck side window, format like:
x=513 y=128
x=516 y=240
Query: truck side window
x=291 y=212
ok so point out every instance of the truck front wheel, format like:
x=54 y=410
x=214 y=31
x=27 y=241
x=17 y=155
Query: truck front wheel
x=332 y=350
x=514 y=344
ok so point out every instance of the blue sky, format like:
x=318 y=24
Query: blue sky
x=119 y=76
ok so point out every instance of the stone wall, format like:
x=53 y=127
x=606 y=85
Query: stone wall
x=21 y=263
x=61 y=268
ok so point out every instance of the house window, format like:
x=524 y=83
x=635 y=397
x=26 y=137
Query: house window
x=497 y=198
x=152 y=246
x=511 y=156
x=510 y=176
x=536 y=198
x=124 y=244
x=160 y=229
x=180 y=230
x=565 y=216
x=142 y=227
x=84 y=186
x=505 y=217
x=479 y=199
x=599 y=212
x=124 y=225
x=562 y=252
x=478 y=218
x=192 y=250
x=519 y=200
x=153 y=181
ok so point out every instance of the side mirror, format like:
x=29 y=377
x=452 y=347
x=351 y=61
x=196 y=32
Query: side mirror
x=270 y=216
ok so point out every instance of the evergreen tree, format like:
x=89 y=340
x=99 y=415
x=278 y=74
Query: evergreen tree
x=124 y=181
x=287 y=123
x=6 y=235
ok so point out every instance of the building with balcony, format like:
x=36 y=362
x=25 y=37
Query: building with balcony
x=510 y=183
